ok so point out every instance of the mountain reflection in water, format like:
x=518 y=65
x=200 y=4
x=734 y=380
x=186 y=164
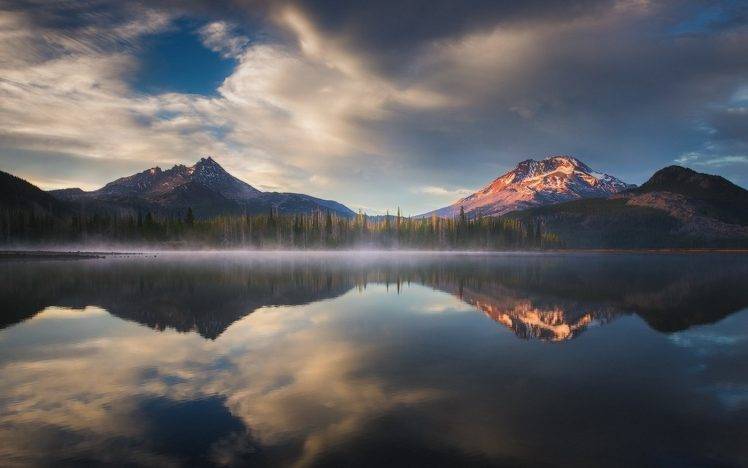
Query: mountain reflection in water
x=365 y=360
x=545 y=297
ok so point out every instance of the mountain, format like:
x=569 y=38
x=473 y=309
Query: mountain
x=709 y=195
x=206 y=187
x=18 y=195
x=536 y=183
x=676 y=207
x=206 y=173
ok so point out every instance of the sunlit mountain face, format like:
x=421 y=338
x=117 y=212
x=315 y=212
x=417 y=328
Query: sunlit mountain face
x=226 y=359
x=552 y=180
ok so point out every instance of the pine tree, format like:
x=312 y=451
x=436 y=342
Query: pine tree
x=189 y=219
x=328 y=227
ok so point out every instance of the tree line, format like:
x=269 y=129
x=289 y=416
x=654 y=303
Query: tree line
x=318 y=230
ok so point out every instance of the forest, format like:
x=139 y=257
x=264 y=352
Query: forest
x=318 y=230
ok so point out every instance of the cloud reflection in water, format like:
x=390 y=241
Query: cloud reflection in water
x=307 y=362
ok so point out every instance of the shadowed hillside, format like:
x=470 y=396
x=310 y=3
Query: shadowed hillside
x=676 y=207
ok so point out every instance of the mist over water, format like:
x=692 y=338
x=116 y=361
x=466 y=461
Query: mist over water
x=362 y=358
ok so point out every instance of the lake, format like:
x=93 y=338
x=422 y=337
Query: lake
x=363 y=359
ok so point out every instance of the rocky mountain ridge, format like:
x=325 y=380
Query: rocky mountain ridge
x=206 y=187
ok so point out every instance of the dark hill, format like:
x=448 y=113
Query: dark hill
x=676 y=207
x=714 y=196
x=685 y=181
x=17 y=194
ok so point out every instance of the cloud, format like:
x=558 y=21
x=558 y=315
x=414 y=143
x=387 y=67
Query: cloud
x=725 y=145
x=279 y=121
x=433 y=190
x=714 y=161
x=365 y=101
x=221 y=37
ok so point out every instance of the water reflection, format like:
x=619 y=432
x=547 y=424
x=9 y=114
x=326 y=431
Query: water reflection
x=370 y=361
x=544 y=297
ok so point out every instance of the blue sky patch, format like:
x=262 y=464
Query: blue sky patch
x=177 y=61
x=702 y=21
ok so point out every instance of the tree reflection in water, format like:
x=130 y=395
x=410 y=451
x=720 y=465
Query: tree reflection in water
x=546 y=297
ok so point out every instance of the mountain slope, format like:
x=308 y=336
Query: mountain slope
x=709 y=195
x=676 y=207
x=18 y=195
x=536 y=183
x=205 y=187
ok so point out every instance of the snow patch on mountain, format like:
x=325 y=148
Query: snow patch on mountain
x=535 y=183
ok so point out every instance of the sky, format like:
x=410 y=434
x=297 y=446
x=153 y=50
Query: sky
x=410 y=103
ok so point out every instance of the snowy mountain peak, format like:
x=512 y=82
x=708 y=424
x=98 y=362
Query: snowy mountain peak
x=532 y=168
x=532 y=183
x=206 y=172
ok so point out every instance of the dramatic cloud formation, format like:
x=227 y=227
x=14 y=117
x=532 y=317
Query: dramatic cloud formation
x=374 y=104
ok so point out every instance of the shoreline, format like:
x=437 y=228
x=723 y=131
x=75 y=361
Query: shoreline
x=38 y=254
x=56 y=255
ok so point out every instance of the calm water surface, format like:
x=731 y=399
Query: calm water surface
x=356 y=360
